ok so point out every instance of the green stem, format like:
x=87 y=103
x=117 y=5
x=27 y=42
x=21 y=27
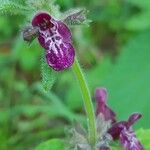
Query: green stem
x=87 y=101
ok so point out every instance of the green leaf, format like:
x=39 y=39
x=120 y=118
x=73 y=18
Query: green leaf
x=57 y=103
x=144 y=136
x=54 y=144
x=48 y=75
x=46 y=5
x=12 y=8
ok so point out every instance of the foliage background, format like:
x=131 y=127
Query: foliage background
x=114 y=52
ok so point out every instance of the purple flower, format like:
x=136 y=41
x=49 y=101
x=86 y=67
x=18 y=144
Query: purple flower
x=55 y=37
x=119 y=130
x=101 y=99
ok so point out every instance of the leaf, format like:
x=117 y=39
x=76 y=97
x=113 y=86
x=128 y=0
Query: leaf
x=48 y=75
x=12 y=8
x=54 y=144
x=144 y=136
x=62 y=109
x=46 y=5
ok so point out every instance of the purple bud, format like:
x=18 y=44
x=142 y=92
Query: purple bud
x=133 y=118
x=129 y=141
x=30 y=33
x=55 y=38
x=101 y=99
x=101 y=95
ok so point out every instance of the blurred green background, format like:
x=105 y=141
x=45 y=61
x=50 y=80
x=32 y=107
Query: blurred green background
x=114 y=52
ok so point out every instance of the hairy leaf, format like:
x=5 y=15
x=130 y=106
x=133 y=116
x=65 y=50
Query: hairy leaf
x=55 y=144
x=12 y=8
x=144 y=137
x=48 y=75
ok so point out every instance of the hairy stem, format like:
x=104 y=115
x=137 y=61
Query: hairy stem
x=87 y=101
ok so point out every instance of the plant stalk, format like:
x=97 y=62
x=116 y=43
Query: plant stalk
x=87 y=102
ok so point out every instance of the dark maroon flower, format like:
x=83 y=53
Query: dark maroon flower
x=55 y=37
x=101 y=100
x=119 y=130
